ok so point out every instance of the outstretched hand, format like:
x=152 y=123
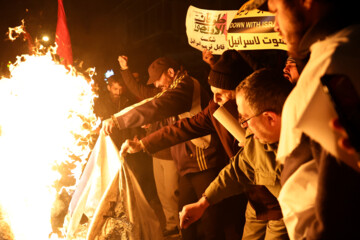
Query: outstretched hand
x=192 y=212
x=107 y=126
x=131 y=146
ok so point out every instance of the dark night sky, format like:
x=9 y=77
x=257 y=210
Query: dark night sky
x=84 y=22
x=90 y=24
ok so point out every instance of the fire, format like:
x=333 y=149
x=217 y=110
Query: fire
x=46 y=120
x=16 y=31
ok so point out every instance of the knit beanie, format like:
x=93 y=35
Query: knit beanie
x=229 y=71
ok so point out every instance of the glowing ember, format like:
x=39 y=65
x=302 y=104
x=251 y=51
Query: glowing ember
x=45 y=117
x=16 y=31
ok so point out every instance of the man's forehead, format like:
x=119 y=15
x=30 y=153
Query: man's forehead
x=217 y=90
x=290 y=60
x=115 y=85
x=242 y=105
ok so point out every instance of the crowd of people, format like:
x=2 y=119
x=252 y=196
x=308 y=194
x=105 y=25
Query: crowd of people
x=294 y=175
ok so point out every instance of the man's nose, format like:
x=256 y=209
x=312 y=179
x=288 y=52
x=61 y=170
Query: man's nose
x=286 y=69
x=216 y=99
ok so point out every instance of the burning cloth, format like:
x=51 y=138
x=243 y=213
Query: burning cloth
x=109 y=194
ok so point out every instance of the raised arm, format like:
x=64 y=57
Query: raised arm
x=141 y=91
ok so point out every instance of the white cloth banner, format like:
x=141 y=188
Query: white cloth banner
x=105 y=179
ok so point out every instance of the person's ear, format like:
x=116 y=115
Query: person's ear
x=272 y=117
x=108 y=88
x=171 y=72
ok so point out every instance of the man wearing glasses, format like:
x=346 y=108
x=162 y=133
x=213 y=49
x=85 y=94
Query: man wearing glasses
x=260 y=98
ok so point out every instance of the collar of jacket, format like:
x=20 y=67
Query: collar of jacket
x=178 y=77
x=267 y=147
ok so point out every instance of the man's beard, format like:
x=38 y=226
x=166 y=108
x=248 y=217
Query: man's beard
x=114 y=98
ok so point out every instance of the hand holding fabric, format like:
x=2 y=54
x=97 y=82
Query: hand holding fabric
x=131 y=146
x=107 y=126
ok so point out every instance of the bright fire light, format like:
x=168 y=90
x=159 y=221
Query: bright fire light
x=46 y=116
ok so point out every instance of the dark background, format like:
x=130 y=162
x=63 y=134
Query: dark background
x=100 y=31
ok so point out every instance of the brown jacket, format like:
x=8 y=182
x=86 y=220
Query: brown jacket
x=177 y=100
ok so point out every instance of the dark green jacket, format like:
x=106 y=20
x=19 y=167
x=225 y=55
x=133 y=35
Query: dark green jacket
x=253 y=166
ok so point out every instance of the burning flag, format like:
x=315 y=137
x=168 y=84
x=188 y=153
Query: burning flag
x=63 y=37
x=110 y=196
x=46 y=121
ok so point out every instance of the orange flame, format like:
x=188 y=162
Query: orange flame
x=46 y=118
x=16 y=31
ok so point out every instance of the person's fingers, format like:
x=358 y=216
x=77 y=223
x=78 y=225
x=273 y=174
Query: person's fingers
x=185 y=221
x=345 y=144
x=124 y=148
x=108 y=129
x=336 y=125
x=103 y=129
x=182 y=220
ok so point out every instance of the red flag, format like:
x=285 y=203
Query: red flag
x=63 y=37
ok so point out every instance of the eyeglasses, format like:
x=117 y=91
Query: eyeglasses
x=242 y=123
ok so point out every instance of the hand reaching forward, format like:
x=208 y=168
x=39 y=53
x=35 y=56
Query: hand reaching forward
x=107 y=126
x=131 y=146
x=192 y=212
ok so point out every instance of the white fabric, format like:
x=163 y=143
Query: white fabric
x=105 y=179
x=309 y=110
x=201 y=142
x=167 y=187
x=300 y=187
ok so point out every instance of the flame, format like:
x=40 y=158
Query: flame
x=46 y=119
x=16 y=31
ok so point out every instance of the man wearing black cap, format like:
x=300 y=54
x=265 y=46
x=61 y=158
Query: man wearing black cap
x=199 y=160
x=164 y=168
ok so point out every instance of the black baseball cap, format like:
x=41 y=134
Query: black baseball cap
x=159 y=66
